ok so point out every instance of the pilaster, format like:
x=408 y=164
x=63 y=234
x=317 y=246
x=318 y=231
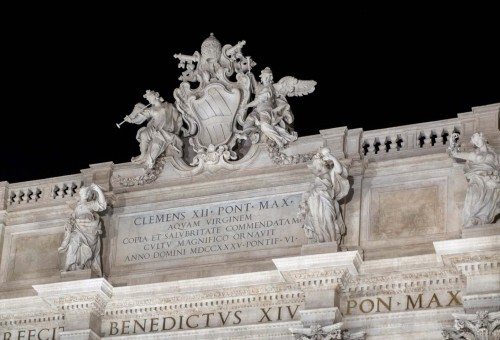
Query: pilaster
x=479 y=261
x=4 y=195
x=353 y=143
x=321 y=278
x=99 y=174
x=335 y=139
x=82 y=303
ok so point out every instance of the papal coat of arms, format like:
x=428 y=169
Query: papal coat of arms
x=223 y=107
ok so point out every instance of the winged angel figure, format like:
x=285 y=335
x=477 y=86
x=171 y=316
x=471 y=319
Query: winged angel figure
x=271 y=112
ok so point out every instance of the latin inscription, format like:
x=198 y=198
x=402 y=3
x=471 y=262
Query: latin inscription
x=212 y=229
x=383 y=304
x=201 y=320
x=32 y=334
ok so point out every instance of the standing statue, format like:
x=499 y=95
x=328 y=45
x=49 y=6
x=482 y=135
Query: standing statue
x=482 y=167
x=82 y=232
x=162 y=131
x=320 y=208
x=271 y=112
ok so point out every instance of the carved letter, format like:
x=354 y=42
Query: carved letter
x=112 y=327
x=125 y=326
x=43 y=329
x=154 y=323
x=454 y=298
x=237 y=317
x=290 y=311
x=372 y=305
x=435 y=300
x=142 y=327
x=187 y=321
x=222 y=318
x=410 y=301
x=265 y=314
x=380 y=301
x=165 y=321
x=208 y=318
x=349 y=306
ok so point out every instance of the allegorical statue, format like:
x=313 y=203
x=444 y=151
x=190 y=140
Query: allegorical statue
x=482 y=171
x=271 y=113
x=320 y=208
x=82 y=232
x=161 y=134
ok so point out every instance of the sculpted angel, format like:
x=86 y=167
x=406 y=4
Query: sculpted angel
x=271 y=112
x=161 y=134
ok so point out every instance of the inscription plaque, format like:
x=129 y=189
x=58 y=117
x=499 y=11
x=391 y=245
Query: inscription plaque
x=210 y=229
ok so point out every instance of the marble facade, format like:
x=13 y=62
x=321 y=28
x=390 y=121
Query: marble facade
x=218 y=251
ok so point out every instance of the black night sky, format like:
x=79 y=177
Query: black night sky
x=68 y=77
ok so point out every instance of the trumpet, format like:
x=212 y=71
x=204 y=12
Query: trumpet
x=135 y=113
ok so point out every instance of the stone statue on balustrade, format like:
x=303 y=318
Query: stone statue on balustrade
x=482 y=171
x=161 y=134
x=271 y=114
x=320 y=209
x=82 y=232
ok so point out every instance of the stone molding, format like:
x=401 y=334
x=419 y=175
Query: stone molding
x=476 y=264
x=403 y=283
x=84 y=296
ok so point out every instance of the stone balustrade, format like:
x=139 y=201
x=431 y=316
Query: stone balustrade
x=408 y=137
x=41 y=191
x=393 y=143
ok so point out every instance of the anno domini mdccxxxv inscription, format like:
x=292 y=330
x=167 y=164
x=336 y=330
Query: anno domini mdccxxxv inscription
x=210 y=229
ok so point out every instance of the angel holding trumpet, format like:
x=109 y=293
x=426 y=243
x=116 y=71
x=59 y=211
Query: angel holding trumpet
x=161 y=134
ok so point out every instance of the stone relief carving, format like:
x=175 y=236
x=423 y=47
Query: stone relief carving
x=225 y=113
x=320 y=209
x=480 y=326
x=318 y=332
x=82 y=232
x=482 y=166
x=161 y=134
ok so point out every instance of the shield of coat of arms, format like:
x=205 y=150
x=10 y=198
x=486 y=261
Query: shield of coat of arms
x=214 y=113
x=213 y=109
